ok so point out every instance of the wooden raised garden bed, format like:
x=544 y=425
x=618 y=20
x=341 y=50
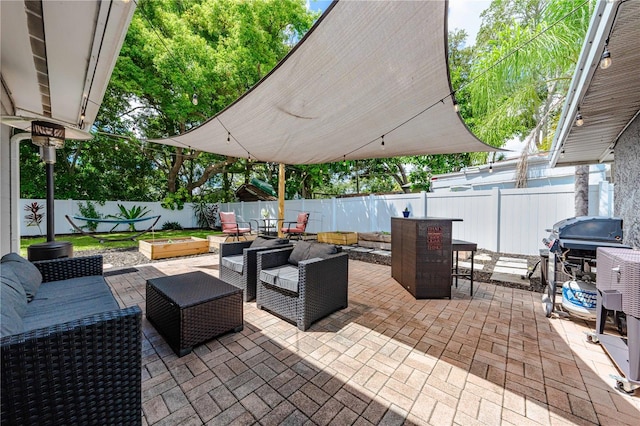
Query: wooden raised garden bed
x=173 y=247
x=342 y=238
x=375 y=240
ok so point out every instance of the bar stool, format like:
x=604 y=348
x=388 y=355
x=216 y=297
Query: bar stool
x=456 y=247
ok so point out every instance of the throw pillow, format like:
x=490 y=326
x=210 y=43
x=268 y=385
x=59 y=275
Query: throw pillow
x=268 y=242
x=29 y=276
x=300 y=252
x=321 y=250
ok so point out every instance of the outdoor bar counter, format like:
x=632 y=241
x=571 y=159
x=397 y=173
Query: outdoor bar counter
x=421 y=258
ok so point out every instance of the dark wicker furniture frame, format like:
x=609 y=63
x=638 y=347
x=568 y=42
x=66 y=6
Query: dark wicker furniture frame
x=322 y=287
x=189 y=309
x=83 y=372
x=246 y=280
x=457 y=246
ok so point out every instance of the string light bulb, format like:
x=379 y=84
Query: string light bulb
x=456 y=107
x=491 y=167
x=605 y=59
x=194 y=99
x=228 y=138
x=344 y=160
x=382 y=143
x=579 y=119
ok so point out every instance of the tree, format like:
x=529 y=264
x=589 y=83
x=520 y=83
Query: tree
x=523 y=65
x=100 y=169
x=216 y=49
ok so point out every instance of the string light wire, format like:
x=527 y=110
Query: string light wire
x=477 y=77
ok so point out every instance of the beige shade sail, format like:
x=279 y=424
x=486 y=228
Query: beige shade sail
x=366 y=69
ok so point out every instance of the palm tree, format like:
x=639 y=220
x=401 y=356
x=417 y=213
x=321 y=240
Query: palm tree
x=524 y=61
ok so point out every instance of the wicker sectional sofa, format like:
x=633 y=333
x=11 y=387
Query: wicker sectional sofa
x=304 y=283
x=70 y=355
x=239 y=262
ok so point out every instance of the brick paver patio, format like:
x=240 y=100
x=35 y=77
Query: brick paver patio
x=386 y=359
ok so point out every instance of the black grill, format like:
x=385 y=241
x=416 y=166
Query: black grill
x=572 y=245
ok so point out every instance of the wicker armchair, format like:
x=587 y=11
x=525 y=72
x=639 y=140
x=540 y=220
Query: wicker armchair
x=81 y=372
x=322 y=285
x=239 y=263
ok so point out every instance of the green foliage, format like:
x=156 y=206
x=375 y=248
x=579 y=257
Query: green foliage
x=175 y=200
x=168 y=226
x=35 y=214
x=206 y=213
x=522 y=67
x=101 y=169
x=88 y=210
x=134 y=212
x=215 y=48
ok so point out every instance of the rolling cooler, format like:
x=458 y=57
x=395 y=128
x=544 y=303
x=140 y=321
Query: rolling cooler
x=618 y=286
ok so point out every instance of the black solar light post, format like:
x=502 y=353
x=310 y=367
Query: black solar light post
x=49 y=137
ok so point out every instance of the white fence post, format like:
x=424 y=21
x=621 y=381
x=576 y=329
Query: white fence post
x=373 y=205
x=495 y=192
x=423 y=196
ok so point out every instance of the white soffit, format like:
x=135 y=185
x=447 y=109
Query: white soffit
x=608 y=99
x=366 y=69
x=57 y=59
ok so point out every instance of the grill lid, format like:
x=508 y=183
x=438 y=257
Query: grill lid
x=590 y=228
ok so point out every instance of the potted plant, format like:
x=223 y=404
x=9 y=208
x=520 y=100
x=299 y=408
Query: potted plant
x=406 y=212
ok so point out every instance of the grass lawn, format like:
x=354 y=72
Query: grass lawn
x=82 y=242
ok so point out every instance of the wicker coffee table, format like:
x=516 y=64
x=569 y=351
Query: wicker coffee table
x=190 y=309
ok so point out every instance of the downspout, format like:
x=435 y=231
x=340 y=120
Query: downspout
x=14 y=183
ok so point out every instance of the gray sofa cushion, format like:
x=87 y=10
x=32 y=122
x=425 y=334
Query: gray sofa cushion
x=67 y=300
x=285 y=277
x=13 y=303
x=235 y=263
x=12 y=290
x=29 y=276
x=10 y=322
x=304 y=250
x=268 y=242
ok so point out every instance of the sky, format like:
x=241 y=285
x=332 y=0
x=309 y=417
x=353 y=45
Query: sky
x=463 y=14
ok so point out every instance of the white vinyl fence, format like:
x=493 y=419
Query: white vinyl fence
x=501 y=220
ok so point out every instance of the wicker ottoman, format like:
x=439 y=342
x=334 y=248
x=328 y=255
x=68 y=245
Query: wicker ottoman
x=190 y=309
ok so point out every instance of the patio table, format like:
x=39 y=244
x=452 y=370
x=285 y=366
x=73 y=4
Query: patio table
x=189 y=309
x=267 y=226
